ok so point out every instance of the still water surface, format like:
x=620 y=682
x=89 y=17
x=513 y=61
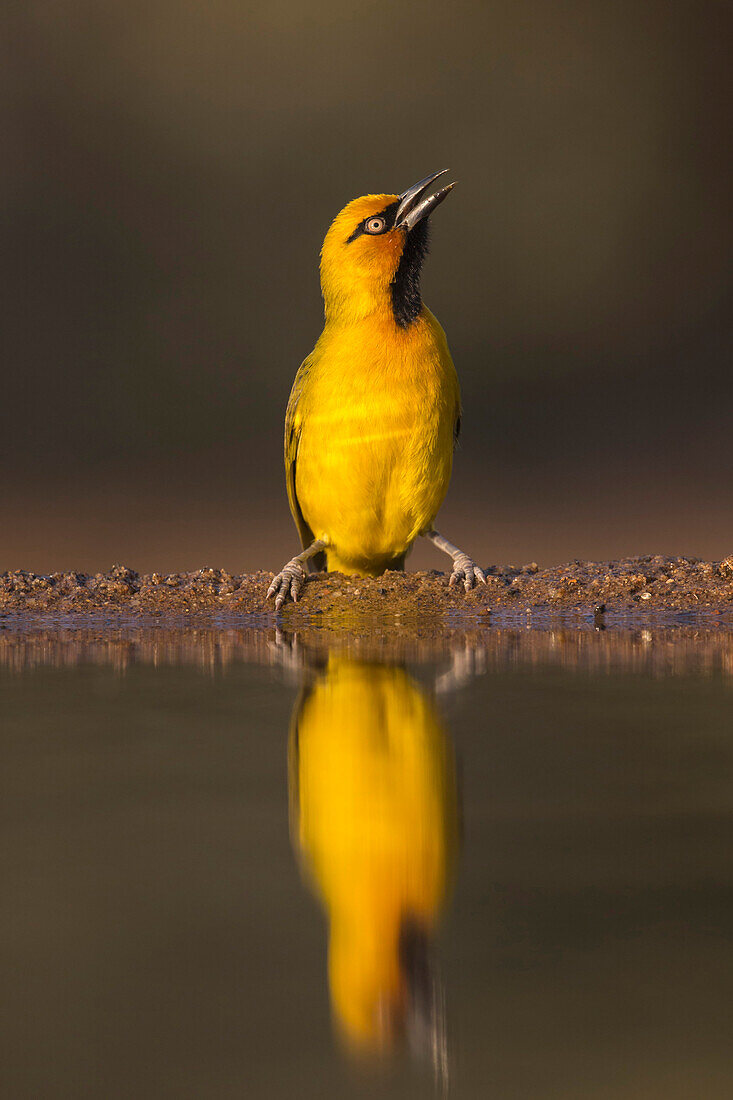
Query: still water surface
x=487 y=864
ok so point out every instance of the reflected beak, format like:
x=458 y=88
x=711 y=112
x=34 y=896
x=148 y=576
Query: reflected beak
x=424 y=1023
x=414 y=208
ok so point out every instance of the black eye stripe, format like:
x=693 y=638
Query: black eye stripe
x=387 y=214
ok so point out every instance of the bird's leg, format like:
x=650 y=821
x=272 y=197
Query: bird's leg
x=464 y=569
x=291 y=578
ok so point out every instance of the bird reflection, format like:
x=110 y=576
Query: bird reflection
x=374 y=818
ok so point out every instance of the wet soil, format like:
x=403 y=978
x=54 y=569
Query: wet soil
x=645 y=584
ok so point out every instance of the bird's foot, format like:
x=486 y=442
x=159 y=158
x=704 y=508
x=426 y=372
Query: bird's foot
x=466 y=570
x=288 y=582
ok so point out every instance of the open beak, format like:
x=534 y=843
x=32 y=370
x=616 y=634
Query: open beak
x=414 y=207
x=424 y=1023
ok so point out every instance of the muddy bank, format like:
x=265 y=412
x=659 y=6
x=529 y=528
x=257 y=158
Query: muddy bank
x=659 y=584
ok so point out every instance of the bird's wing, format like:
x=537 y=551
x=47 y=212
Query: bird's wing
x=293 y=426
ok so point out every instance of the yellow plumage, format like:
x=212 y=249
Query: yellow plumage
x=374 y=815
x=375 y=408
x=374 y=415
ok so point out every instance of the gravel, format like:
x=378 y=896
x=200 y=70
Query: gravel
x=661 y=584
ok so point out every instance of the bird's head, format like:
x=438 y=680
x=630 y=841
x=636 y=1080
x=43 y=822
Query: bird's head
x=373 y=253
x=385 y=989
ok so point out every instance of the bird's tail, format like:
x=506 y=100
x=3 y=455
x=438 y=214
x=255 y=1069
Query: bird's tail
x=317 y=564
x=334 y=562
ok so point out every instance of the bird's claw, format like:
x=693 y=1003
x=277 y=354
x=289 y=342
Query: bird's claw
x=288 y=582
x=466 y=570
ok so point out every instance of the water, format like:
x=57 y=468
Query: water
x=493 y=863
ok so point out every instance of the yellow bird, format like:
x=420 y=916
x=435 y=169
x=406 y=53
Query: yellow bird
x=375 y=408
x=374 y=815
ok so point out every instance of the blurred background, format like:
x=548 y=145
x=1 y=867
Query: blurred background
x=169 y=170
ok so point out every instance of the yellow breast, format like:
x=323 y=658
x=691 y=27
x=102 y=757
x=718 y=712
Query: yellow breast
x=377 y=416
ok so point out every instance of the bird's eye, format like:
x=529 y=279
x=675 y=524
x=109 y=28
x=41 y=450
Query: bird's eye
x=375 y=225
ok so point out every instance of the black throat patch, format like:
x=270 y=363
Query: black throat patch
x=405 y=286
x=406 y=299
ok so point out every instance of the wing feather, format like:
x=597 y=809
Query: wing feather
x=293 y=427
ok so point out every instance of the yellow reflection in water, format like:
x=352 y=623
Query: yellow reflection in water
x=373 y=804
